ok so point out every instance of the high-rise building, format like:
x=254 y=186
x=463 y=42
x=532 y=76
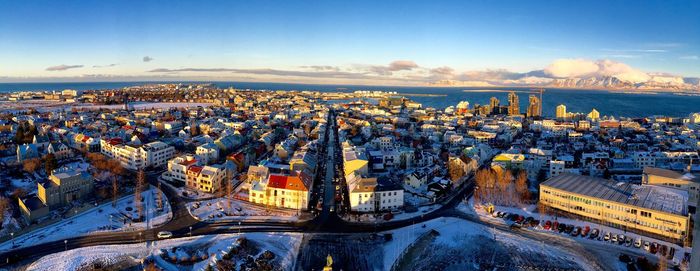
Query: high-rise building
x=494 y=103
x=534 y=107
x=594 y=115
x=561 y=112
x=513 y=104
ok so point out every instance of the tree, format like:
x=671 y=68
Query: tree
x=229 y=193
x=115 y=190
x=4 y=206
x=140 y=180
x=31 y=165
x=19 y=135
x=159 y=197
x=521 y=186
x=50 y=163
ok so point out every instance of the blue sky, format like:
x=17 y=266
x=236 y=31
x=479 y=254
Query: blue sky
x=226 y=39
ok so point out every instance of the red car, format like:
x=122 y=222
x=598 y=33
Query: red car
x=520 y=218
x=585 y=231
x=547 y=225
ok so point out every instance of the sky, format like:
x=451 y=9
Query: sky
x=363 y=42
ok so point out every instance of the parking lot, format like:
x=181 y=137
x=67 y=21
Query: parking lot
x=580 y=230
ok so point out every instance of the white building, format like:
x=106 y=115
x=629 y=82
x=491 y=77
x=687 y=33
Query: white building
x=134 y=157
x=209 y=152
x=372 y=195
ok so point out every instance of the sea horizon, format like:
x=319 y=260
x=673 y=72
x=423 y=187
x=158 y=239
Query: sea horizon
x=617 y=103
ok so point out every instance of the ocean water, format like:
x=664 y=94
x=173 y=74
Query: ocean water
x=576 y=100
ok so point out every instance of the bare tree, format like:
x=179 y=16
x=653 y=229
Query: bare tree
x=115 y=190
x=140 y=180
x=31 y=165
x=159 y=197
x=521 y=186
x=4 y=205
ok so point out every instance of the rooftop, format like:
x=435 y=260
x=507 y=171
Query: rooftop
x=652 y=197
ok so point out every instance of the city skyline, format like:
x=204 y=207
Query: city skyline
x=475 y=44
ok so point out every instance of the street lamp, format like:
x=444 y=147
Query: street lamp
x=65 y=243
x=239 y=227
x=12 y=235
x=190 y=231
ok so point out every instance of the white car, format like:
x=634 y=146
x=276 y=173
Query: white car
x=638 y=243
x=164 y=234
x=647 y=245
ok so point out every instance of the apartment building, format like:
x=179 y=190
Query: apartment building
x=282 y=191
x=206 y=179
x=373 y=194
x=136 y=157
x=177 y=168
x=657 y=211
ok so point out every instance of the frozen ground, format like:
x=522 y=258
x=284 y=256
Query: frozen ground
x=403 y=215
x=458 y=244
x=217 y=210
x=529 y=210
x=285 y=246
x=98 y=220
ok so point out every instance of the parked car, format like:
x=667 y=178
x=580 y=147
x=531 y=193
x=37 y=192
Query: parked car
x=164 y=234
x=638 y=243
x=647 y=245
x=520 y=218
x=613 y=238
x=620 y=239
x=654 y=248
x=569 y=229
x=594 y=234
x=555 y=225
x=561 y=228
x=547 y=225
x=663 y=250
x=628 y=242
x=585 y=231
x=607 y=236
x=576 y=231
x=534 y=223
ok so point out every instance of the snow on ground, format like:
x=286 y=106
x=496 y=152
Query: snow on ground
x=459 y=235
x=402 y=215
x=97 y=220
x=217 y=210
x=529 y=210
x=285 y=246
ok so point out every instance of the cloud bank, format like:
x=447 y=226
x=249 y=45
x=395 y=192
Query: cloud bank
x=147 y=59
x=63 y=67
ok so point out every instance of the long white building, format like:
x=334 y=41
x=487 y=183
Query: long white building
x=135 y=157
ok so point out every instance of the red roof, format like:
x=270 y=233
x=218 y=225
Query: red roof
x=197 y=169
x=115 y=141
x=277 y=181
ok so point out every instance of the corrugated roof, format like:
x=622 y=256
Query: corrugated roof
x=646 y=196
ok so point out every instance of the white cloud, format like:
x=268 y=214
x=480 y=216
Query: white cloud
x=572 y=68
x=565 y=68
x=689 y=57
